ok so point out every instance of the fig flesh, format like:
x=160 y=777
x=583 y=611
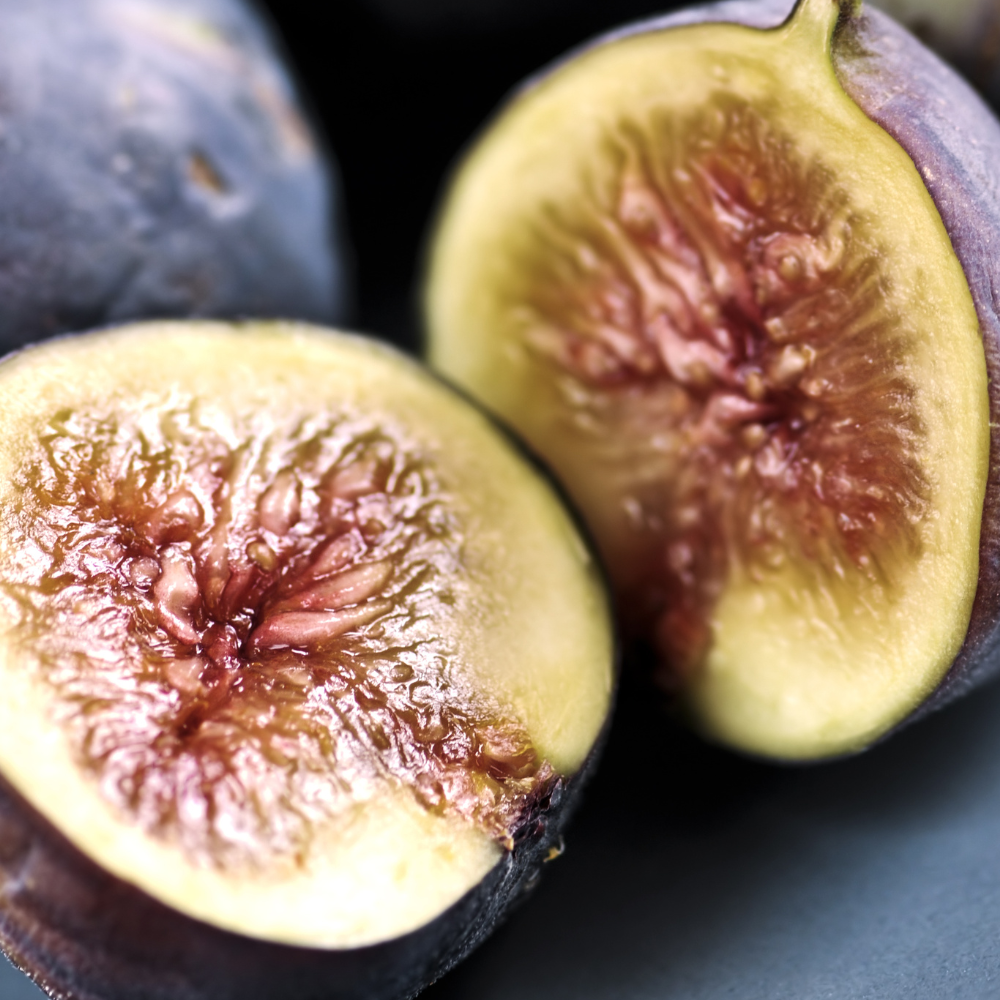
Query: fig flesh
x=156 y=162
x=302 y=666
x=745 y=308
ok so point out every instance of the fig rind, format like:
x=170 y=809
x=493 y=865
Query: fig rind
x=963 y=32
x=742 y=716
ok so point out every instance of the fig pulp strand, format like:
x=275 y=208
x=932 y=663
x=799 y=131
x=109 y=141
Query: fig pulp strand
x=724 y=308
x=261 y=585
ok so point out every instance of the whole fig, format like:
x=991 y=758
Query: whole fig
x=155 y=161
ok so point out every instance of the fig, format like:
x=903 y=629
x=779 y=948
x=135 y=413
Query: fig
x=732 y=273
x=155 y=162
x=302 y=666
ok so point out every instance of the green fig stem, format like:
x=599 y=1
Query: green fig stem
x=812 y=23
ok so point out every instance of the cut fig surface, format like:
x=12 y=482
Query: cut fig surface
x=292 y=640
x=723 y=305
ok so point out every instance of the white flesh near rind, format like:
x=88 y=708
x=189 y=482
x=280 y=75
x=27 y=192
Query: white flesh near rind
x=788 y=675
x=532 y=619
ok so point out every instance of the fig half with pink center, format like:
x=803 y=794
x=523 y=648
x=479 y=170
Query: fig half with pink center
x=732 y=274
x=301 y=665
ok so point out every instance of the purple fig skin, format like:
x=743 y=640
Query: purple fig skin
x=953 y=138
x=963 y=33
x=82 y=934
x=155 y=162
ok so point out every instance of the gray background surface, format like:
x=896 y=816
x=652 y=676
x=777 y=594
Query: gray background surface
x=695 y=874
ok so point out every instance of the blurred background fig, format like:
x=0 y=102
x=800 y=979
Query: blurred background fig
x=745 y=308
x=303 y=666
x=156 y=161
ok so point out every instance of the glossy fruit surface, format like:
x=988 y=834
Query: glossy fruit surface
x=298 y=655
x=155 y=161
x=740 y=304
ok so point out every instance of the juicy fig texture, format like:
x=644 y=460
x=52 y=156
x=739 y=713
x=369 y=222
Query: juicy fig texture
x=745 y=307
x=294 y=647
x=155 y=161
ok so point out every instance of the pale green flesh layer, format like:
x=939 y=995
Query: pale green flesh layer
x=527 y=627
x=800 y=665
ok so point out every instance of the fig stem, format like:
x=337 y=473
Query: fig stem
x=812 y=22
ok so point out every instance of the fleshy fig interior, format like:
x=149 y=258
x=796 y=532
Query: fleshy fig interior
x=720 y=301
x=291 y=638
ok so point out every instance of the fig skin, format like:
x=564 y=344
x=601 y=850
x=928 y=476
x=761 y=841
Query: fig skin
x=155 y=161
x=962 y=31
x=954 y=140
x=81 y=932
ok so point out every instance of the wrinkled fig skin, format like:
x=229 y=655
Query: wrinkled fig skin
x=154 y=162
x=954 y=139
x=80 y=933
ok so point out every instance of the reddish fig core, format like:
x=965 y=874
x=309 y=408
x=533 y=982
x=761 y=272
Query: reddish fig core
x=719 y=307
x=239 y=622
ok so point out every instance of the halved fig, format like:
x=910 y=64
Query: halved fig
x=731 y=272
x=301 y=664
